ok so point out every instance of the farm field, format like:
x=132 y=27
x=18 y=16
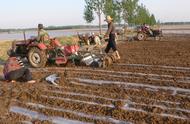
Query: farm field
x=150 y=84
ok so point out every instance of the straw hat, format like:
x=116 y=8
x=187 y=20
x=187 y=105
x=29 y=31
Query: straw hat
x=108 y=18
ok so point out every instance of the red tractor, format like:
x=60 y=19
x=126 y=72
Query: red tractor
x=143 y=32
x=38 y=54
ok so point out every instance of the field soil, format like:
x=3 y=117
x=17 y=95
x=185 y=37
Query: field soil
x=149 y=85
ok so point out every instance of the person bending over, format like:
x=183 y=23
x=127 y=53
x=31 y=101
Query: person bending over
x=14 y=70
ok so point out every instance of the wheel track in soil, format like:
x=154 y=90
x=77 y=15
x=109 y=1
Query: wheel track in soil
x=102 y=96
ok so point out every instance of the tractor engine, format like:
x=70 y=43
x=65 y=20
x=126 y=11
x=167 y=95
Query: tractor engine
x=61 y=54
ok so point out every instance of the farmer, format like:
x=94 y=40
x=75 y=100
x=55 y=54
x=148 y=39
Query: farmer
x=43 y=36
x=95 y=39
x=147 y=28
x=112 y=37
x=14 y=70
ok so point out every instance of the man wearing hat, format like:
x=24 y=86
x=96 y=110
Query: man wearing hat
x=111 y=34
x=43 y=36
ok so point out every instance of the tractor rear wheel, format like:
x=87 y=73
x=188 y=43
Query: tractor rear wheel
x=37 y=57
x=141 y=36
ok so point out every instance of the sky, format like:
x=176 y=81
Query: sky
x=28 y=13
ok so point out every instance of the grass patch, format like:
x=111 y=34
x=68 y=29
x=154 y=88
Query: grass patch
x=5 y=45
x=1 y=69
x=73 y=40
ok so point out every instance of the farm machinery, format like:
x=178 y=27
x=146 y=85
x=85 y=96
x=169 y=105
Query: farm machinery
x=39 y=54
x=144 y=32
x=90 y=39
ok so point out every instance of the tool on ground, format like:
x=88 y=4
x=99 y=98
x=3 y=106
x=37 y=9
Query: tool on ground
x=52 y=79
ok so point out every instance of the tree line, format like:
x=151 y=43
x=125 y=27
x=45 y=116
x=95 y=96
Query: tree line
x=82 y=27
x=127 y=11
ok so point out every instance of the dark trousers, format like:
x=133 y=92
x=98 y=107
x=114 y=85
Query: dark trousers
x=22 y=74
x=111 y=43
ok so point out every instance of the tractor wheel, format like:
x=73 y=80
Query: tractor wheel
x=157 y=38
x=37 y=57
x=141 y=36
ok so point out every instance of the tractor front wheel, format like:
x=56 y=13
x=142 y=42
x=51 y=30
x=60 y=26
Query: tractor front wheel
x=37 y=57
x=141 y=36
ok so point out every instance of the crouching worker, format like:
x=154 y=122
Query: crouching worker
x=14 y=70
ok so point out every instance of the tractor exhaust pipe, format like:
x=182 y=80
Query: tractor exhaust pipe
x=24 y=33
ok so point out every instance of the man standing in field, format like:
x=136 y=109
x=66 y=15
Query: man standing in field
x=43 y=36
x=111 y=33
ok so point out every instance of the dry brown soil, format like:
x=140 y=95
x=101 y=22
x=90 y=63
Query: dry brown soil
x=149 y=85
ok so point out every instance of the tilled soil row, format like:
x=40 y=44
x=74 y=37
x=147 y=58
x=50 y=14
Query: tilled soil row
x=141 y=80
x=119 y=92
x=70 y=110
x=111 y=92
x=135 y=90
x=176 y=113
x=134 y=72
x=76 y=97
x=105 y=100
x=146 y=107
x=153 y=69
x=99 y=112
x=155 y=102
x=165 y=77
x=129 y=71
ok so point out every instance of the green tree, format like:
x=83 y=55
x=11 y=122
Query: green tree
x=96 y=6
x=128 y=11
x=133 y=13
x=110 y=8
x=143 y=16
x=153 y=19
x=88 y=14
x=129 y=8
